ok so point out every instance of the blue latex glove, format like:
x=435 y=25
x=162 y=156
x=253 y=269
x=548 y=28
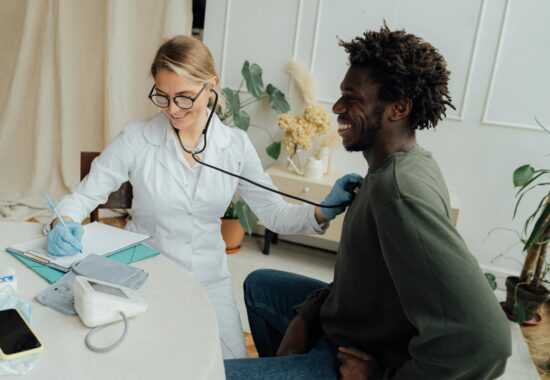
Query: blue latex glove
x=65 y=241
x=340 y=193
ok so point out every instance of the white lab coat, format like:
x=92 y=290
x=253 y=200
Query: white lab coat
x=185 y=224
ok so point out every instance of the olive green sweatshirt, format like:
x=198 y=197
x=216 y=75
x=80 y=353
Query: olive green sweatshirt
x=406 y=289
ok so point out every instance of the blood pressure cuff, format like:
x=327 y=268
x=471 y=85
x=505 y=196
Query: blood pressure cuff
x=59 y=295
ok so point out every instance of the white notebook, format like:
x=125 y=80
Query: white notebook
x=98 y=238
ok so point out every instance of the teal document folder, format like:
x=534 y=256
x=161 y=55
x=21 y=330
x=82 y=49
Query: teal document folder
x=127 y=256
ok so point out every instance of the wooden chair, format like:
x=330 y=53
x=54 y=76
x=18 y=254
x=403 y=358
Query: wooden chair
x=122 y=198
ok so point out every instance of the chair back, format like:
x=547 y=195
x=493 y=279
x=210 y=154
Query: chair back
x=122 y=198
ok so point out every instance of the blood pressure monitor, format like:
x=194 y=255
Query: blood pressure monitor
x=98 y=302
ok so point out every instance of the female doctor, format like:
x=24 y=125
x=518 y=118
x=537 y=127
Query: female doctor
x=177 y=201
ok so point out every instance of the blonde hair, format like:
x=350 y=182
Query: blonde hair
x=186 y=56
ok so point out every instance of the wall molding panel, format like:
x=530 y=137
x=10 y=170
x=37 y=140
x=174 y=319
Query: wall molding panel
x=224 y=45
x=464 y=89
x=492 y=104
x=473 y=56
x=497 y=50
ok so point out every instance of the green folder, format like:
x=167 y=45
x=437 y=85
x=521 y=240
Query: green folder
x=127 y=256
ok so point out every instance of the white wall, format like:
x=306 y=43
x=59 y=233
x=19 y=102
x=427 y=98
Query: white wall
x=497 y=50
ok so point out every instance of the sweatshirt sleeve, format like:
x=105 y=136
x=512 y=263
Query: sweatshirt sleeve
x=462 y=332
x=108 y=171
x=272 y=210
x=310 y=309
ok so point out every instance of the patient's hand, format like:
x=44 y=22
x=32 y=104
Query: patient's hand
x=356 y=364
x=296 y=340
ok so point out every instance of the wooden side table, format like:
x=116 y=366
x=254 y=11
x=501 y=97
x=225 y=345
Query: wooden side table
x=316 y=191
x=312 y=190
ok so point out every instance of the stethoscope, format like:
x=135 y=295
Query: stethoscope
x=194 y=154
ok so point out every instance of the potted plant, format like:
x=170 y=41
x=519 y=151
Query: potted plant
x=232 y=113
x=526 y=293
x=238 y=217
x=237 y=220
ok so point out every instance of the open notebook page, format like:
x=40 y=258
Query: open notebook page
x=98 y=238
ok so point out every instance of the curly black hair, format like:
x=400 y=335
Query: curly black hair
x=406 y=67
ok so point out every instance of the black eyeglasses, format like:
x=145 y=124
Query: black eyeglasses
x=182 y=101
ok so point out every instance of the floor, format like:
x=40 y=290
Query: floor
x=537 y=337
x=284 y=256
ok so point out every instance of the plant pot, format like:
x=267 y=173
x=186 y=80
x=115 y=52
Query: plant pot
x=531 y=299
x=232 y=234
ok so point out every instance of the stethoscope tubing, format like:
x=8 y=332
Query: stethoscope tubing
x=194 y=154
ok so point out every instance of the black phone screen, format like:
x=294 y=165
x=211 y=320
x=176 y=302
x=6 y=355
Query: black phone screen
x=15 y=335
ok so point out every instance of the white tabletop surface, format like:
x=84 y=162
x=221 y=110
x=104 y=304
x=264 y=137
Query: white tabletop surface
x=176 y=338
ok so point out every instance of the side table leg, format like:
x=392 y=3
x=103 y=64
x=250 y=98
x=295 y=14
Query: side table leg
x=268 y=238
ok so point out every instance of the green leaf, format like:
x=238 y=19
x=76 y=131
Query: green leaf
x=539 y=228
x=252 y=74
x=242 y=120
x=232 y=100
x=538 y=174
x=522 y=175
x=247 y=219
x=274 y=150
x=528 y=221
x=525 y=192
x=518 y=312
x=491 y=279
x=277 y=99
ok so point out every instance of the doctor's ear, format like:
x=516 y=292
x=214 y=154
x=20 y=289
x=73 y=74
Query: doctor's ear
x=213 y=83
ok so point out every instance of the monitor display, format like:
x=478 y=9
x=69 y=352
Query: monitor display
x=108 y=290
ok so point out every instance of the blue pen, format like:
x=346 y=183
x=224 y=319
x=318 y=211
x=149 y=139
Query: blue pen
x=54 y=209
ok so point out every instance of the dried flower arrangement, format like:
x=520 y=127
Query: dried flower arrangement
x=299 y=130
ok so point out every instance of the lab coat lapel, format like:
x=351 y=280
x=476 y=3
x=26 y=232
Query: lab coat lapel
x=218 y=141
x=216 y=154
x=160 y=133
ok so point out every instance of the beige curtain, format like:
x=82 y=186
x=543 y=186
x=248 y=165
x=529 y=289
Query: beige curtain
x=72 y=74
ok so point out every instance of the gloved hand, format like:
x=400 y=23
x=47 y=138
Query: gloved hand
x=65 y=241
x=340 y=193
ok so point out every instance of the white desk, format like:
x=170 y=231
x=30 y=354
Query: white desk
x=176 y=338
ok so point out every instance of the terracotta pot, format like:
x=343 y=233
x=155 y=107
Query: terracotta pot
x=532 y=299
x=233 y=235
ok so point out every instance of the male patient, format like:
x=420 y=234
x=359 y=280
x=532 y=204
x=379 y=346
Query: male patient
x=408 y=300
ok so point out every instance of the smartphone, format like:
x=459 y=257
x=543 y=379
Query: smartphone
x=16 y=337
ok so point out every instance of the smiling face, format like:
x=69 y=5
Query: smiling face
x=170 y=84
x=359 y=110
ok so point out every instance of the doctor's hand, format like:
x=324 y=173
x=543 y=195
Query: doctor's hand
x=65 y=241
x=341 y=192
x=297 y=338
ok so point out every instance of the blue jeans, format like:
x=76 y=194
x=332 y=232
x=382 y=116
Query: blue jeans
x=269 y=297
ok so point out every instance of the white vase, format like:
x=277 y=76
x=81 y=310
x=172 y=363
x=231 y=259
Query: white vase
x=324 y=156
x=314 y=169
x=298 y=160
